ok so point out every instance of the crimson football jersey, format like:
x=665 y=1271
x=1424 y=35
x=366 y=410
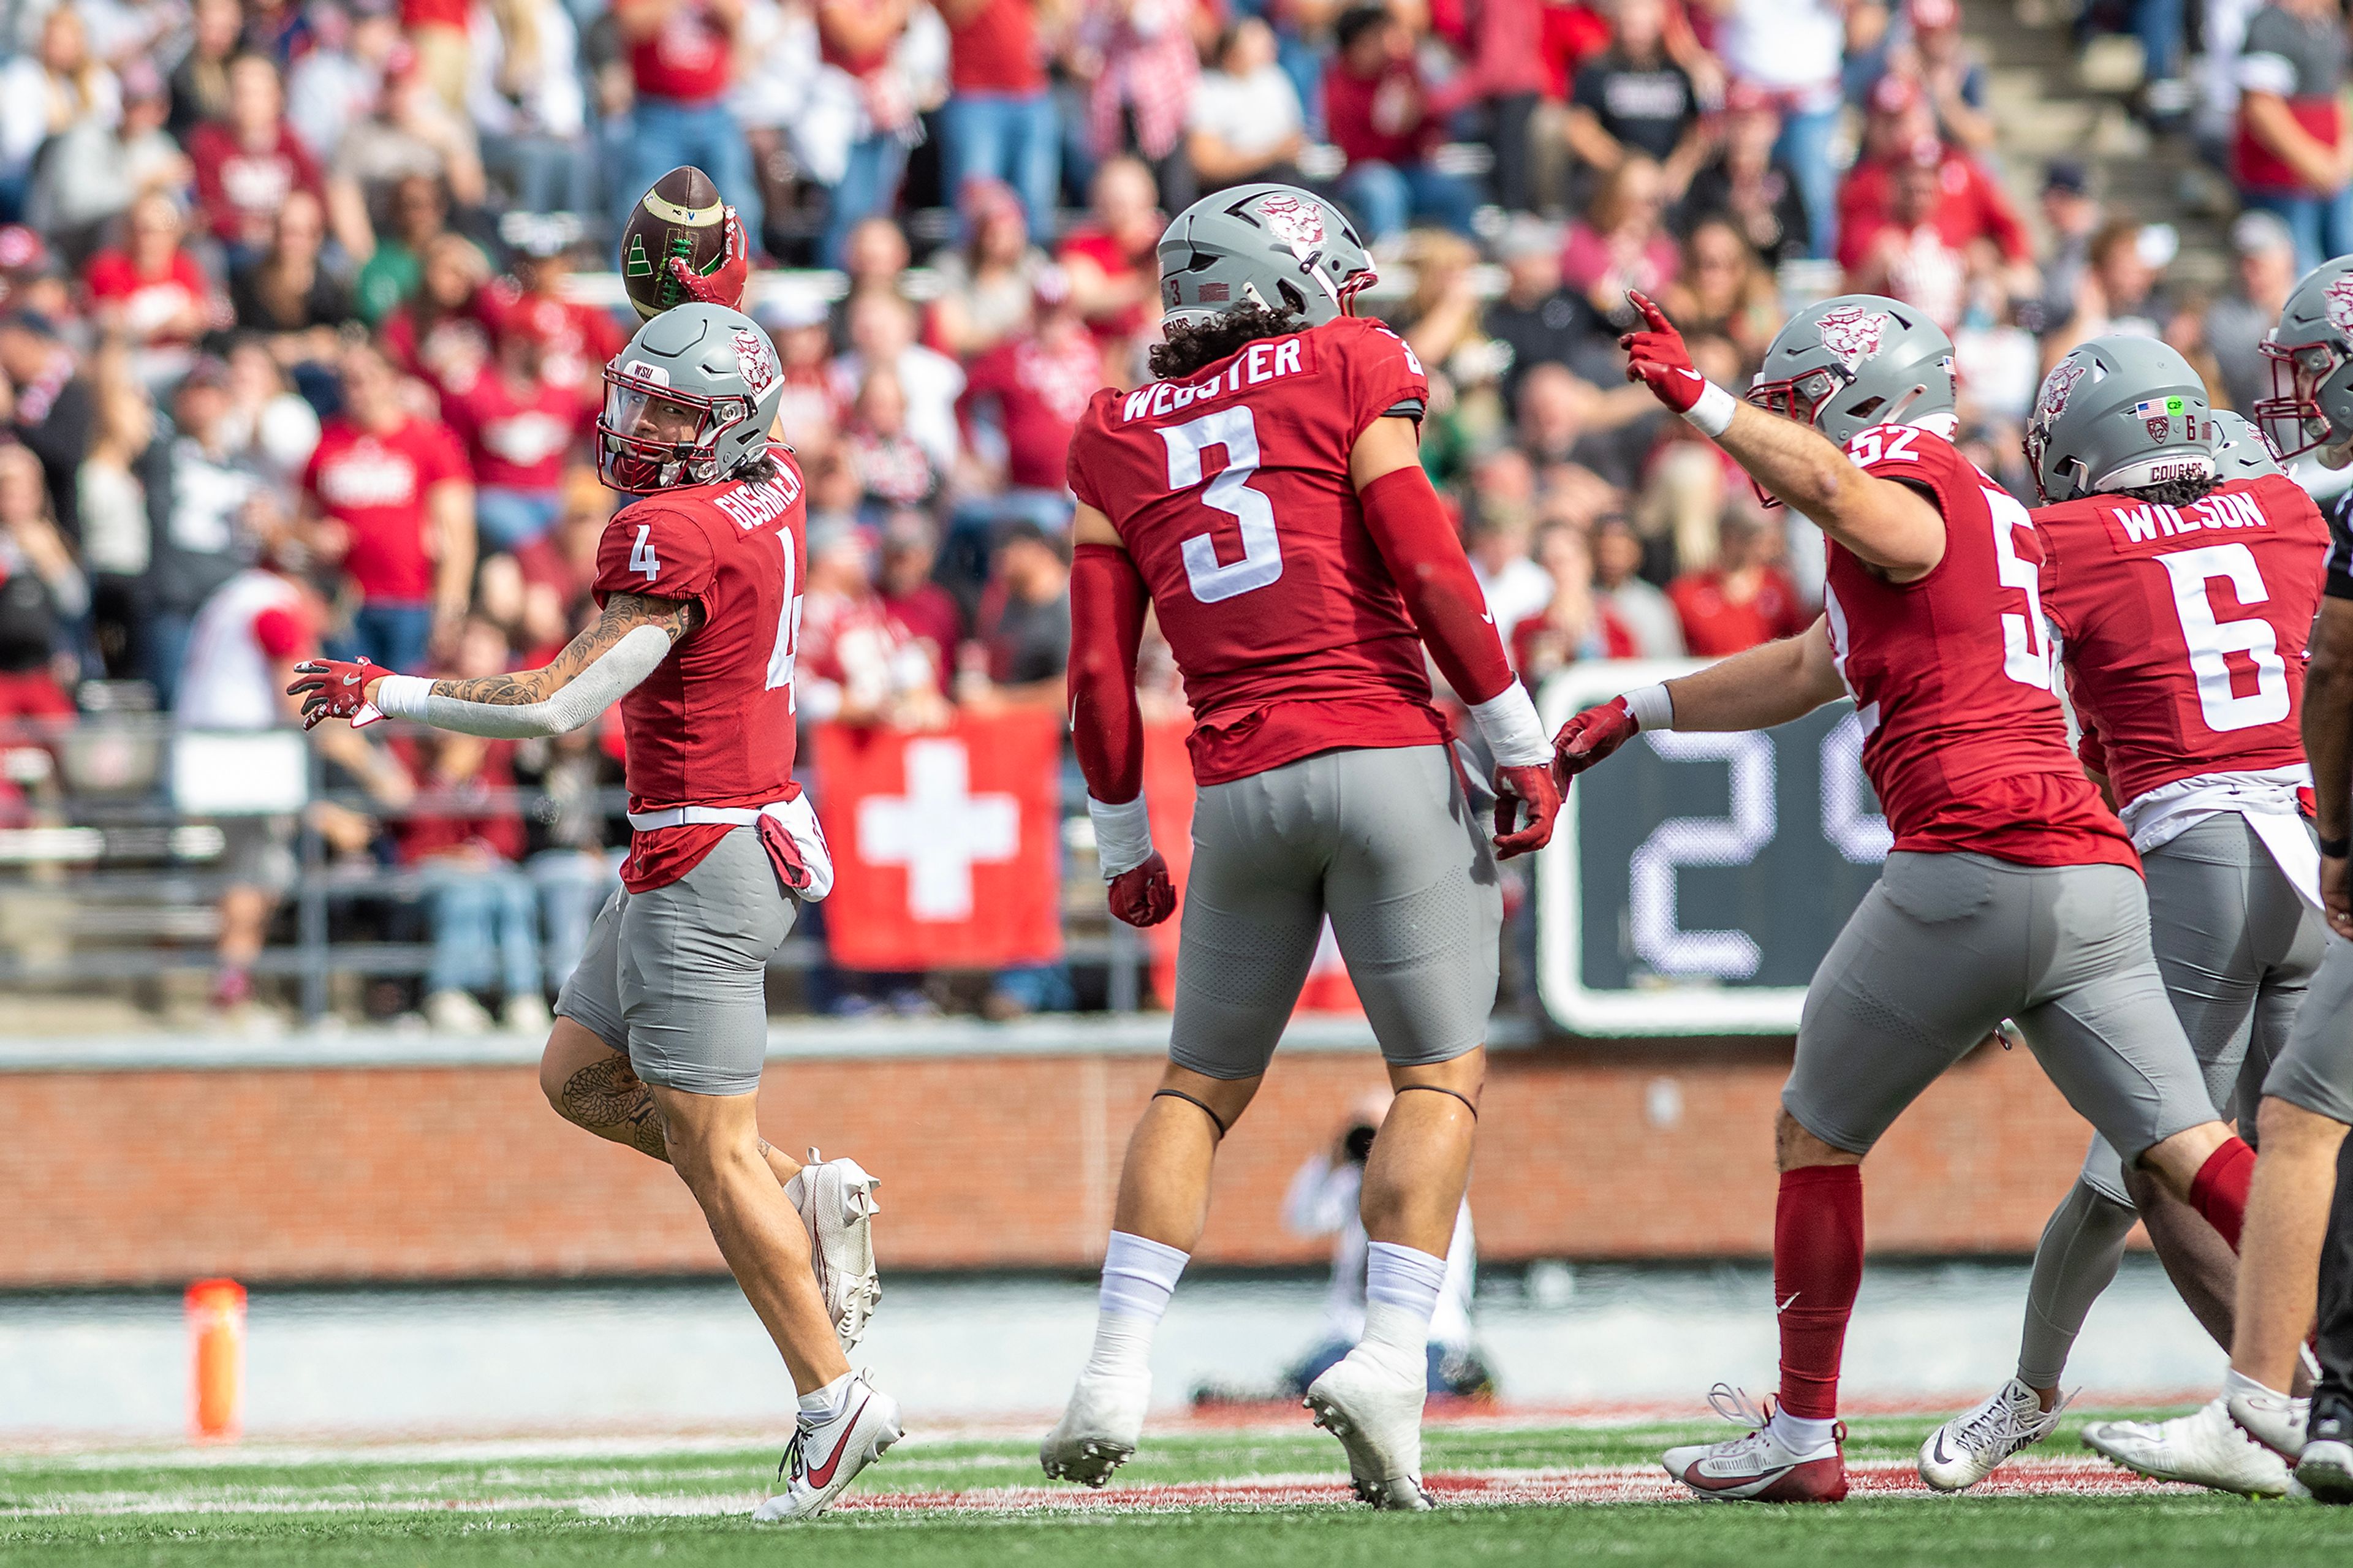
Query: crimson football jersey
x=712 y=725
x=1952 y=676
x=1230 y=492
x=2184 y=627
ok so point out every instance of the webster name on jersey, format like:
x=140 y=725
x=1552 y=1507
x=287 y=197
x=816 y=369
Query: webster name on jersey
x=1258 y=364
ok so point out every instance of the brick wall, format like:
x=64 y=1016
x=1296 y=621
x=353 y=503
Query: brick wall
x=444 y=1172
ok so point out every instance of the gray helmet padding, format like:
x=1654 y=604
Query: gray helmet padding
x=1894 y=363
x=2119 y=413
x=2240 y=450
x=1269 y=244
x=713 y=351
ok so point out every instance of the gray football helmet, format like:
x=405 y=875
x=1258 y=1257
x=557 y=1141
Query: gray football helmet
x=2311 y=351
x=2119 y=413
x=689 y=402
x=1855 y=360
x=2240 y=452
x=1269 y=244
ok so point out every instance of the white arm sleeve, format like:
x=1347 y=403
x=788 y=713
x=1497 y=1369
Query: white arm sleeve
x=610 y=677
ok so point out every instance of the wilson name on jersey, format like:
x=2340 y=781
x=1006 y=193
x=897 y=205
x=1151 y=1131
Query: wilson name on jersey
x=1963 y=736
x=712 y=725
x=1230 y=492
x=2184 y=627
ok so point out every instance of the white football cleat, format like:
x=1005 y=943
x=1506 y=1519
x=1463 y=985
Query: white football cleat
x=1758 y=1467
x=836 y=1202
x=1098 y=1429
x=2205 y=1449
x=1377 y=1414
x=1965 y=1449
x=2275 y=1420
x=826 y=1456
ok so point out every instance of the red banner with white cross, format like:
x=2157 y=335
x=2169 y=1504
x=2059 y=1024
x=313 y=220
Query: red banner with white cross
x=1168 y=802
x=945 y=844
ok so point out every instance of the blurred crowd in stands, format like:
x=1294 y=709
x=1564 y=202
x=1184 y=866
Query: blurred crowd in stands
x=295 y=350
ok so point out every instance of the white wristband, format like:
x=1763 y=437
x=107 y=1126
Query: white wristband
x=403 y=696
x=1712 y=415
x=1508 y=724
x=1122 y=835
x=1651 y=707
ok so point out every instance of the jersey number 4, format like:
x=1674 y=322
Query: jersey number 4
x=1235 y=429
x=2212 y=640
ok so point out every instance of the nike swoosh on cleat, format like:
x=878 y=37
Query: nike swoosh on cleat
x=1697 y=1482
x=1942 y=1457
x=821 y=1475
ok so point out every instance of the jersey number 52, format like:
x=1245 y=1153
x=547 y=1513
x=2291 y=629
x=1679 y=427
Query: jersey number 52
x=1235 y=430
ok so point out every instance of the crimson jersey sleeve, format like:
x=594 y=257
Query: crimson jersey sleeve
x=1380 y=372
x=660 y=552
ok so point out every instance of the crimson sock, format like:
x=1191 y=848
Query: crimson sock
x=2218 y=1191
x=1817 y=1268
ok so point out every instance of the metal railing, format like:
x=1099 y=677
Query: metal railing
x=113 y=861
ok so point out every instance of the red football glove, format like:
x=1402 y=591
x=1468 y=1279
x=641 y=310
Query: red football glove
x=1591 y=736
x=1659 y=357
x=334 y=689
x=1528 y=789
x=724 y=285
x=1143 y=895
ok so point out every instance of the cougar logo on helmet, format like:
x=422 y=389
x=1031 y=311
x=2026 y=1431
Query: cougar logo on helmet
x=2340 y=303
x=753 y=358
x=1293 y=221
x=2060 y=387
x=1854 y=332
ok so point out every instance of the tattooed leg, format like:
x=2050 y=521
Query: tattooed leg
x=591 y=1085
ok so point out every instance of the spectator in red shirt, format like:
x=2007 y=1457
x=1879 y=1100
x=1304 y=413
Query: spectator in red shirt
x=153 y=293
x=1114 y=259
x=682 y=58
x=1380 y=114
x=576 y=338
x=464 y=841
x=518 y=428
x=811 y=413
x=436 y=334
x=998 y=123
x=1037 y=385
x=248 y=163
x=389 y=499
x=1501 y=43
x=911 y=595
x=1745 y=599
x=1969 y=203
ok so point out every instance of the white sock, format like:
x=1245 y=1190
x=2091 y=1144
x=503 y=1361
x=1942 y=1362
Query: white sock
x=1138 y=1277
x=826 y=1403
x=1802 y=1433
x=2237 y=1382
x=1401 y=1286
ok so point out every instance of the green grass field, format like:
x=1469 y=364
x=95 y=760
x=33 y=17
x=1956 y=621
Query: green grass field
x=1262 y=1496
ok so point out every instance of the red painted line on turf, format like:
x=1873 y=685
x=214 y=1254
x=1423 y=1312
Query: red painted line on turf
x=1607 y=1484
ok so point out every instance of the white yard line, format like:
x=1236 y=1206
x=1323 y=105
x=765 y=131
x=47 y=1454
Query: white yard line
x=2029 y=1477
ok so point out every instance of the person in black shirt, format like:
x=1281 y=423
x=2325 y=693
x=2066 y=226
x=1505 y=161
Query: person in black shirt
x=1633 y=98
x=286 y=293
x=1746 y=185
x=55 y=412
x=1538 y=320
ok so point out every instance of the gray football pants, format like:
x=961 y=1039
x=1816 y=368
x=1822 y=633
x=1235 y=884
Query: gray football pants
x=2239 y=949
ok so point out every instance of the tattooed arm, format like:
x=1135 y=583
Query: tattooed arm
x=597 y=669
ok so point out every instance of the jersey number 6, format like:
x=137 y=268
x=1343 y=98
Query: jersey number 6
x=1235 y=429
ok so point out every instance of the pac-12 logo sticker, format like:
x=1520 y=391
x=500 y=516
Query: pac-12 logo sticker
x=2340 y=303
x=753 y=358
x=1854 y=332
x=1293 y=221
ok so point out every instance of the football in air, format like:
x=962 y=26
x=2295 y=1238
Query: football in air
x=682 y=219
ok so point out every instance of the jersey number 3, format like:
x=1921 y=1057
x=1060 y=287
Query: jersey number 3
x=1235 y=429
x=2212 y=640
